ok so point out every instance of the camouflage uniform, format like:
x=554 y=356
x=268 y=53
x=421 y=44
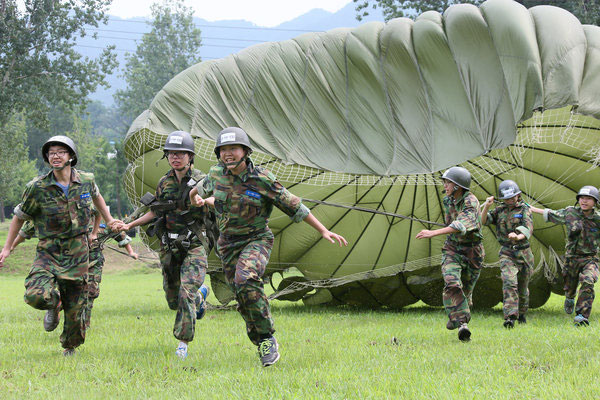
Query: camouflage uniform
x=581 y=266
x=183 y=266
x=59 y=271
x=516 y=258
x=462 y=256
x=243 y=205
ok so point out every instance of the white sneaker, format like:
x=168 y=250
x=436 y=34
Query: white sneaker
x=181 y=351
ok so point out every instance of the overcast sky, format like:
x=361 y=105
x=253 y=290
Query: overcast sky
x=261 y=12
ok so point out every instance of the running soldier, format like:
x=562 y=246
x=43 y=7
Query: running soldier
x=462 y=253
x=514 y=226
x=243 y=197
x=184 y=246
x=60 y=206
x=581 y=256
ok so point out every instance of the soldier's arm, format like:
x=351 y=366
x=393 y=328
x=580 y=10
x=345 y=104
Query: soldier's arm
x=426 y=233
x=526 y=229
x=13 y=231
x=484 y=213
x=143 y=220
x=103 y=209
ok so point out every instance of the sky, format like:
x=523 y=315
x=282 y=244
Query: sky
x=267 y=13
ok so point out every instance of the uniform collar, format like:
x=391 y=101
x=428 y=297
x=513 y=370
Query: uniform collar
x=75 y=177
x=245 y=174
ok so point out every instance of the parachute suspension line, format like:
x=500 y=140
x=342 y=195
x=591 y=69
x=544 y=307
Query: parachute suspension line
x=370 y=210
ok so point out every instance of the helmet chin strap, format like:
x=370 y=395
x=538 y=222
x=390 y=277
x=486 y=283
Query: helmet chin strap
x=64 y=166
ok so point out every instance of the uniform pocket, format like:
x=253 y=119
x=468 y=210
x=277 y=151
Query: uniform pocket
x=249 y=207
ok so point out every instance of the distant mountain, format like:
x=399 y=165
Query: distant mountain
x=219 y=38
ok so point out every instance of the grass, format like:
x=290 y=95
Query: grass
x=331 y=353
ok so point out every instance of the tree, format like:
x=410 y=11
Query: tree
x=588 y=11
x=15 y=168
x=171 y=46
x=38 y=64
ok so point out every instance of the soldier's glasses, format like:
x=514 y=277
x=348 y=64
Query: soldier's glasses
x=178 y=154
x=60 y=153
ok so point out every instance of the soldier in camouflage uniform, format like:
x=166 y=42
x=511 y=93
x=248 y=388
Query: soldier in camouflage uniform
x=183 y=256
x=243 y=196
x=581 y=255
x=96 y=260
x=60 y=206
x=462 y=253
x=514 y=226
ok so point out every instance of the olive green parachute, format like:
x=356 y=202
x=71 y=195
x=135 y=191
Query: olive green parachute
x=371 y=116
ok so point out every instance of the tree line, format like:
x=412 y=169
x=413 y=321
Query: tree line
x=45 y=86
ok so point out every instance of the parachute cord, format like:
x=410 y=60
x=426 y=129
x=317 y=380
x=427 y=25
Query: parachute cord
x=370 y=210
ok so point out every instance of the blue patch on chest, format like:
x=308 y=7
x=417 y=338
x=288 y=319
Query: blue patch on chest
x=84 y=196
x=594 y=230
x=518 y=216
x=252 y=194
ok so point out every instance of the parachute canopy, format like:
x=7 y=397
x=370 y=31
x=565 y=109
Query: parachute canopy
x=371 y=116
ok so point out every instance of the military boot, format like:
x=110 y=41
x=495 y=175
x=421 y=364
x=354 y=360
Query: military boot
x=569 y=305
x=52 y=318
x=509 y=323
x=69 y=352
x=522 y=319
x=268 y=351
x=464 y=334
x=201 y=304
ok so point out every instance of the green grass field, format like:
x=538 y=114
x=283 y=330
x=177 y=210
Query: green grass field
x=338 y=353
x=329 y=353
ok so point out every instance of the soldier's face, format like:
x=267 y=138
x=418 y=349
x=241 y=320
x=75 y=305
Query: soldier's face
x=58 y=156
x=512 y=201
x=231 y=154
x=449 y=187
x=587 y=203
x=178 y=160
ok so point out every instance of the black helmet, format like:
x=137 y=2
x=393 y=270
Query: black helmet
x=180 y=141
x=232 y=135
x=458 y=175
x=589 y=191
x=60 y=140
x=508 y=189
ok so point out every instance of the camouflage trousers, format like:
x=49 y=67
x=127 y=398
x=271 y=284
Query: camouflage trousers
x=92 y=289
x=183 y=274
x=59 y=274
x=461 y=266
x=515 y=268
x=583 y=271
x=244 y=260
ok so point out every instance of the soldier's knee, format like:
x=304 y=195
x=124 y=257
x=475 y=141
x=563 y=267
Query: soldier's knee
x=37 y=300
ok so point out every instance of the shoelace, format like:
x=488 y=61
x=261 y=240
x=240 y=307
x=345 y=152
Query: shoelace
x=265 y=347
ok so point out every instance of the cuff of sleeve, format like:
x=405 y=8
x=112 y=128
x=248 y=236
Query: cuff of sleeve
x=24 y=235
x=302 y=213
x=21 y=215
x=524 y=231
x=488 y=221
x=546 y=211
x=459 y=227
x=125 y=241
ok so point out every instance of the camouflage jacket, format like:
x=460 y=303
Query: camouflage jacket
x=583 y=232
x=54 y=215
x=170 y=189
x=243 y=203
x=464 y=216
x=508 y=219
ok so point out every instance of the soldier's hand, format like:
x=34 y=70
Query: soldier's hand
x=3 y=256
x=92 y=237
x=489 y=201
x=332 y=237
x=424 y=234
x=114 y=224
x=513 y=236
x=134 y=255
x=197 y=201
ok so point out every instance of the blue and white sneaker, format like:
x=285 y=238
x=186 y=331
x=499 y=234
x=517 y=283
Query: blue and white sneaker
x=181 y=351
x=580 y=320
x=201 y=305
